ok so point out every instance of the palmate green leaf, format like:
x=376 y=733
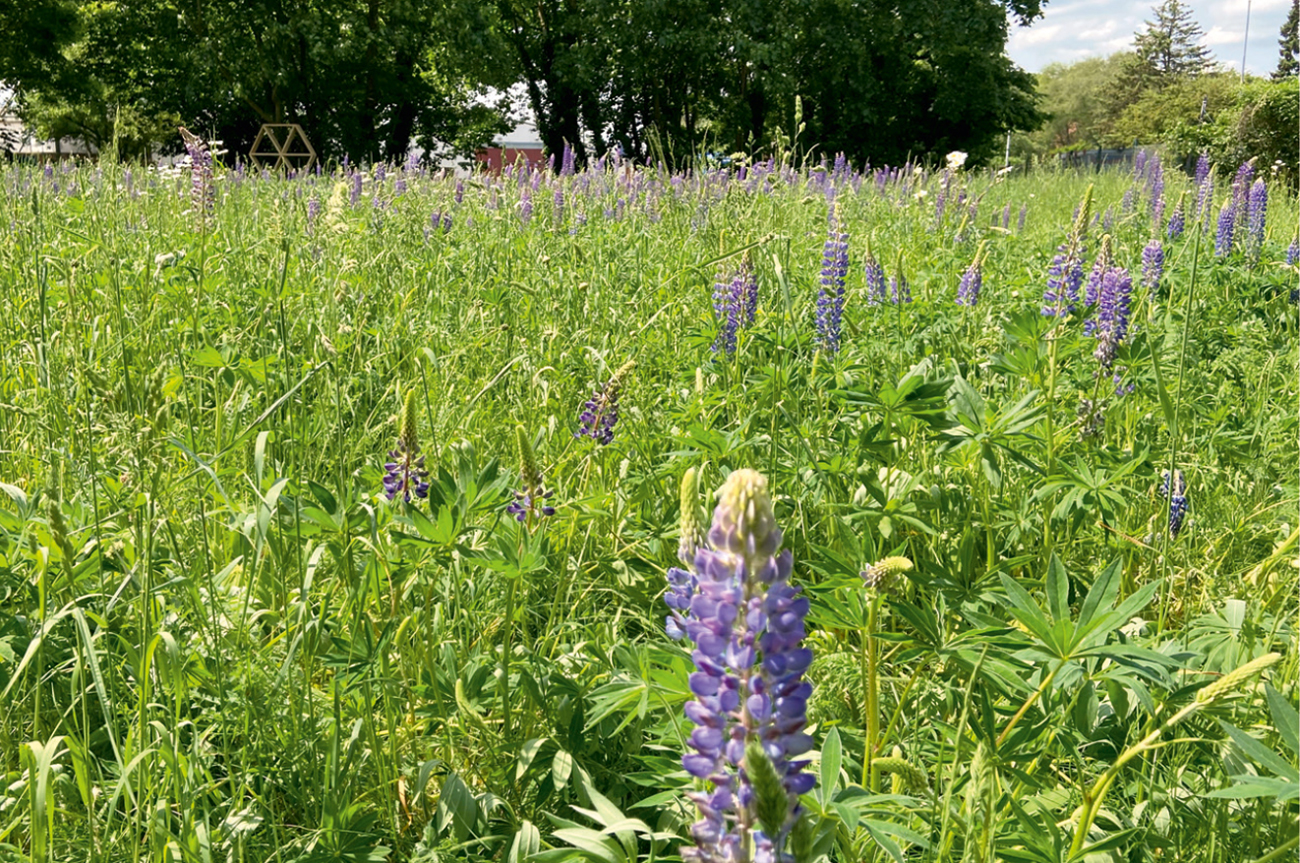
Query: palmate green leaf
x=1024 y=609
x=1263 y=756
x=1058 y=590
x=1246 y=786
x=829 y=768
x=1285 y=719
x=592 y=844
x=526 y=844
x=1102 y=594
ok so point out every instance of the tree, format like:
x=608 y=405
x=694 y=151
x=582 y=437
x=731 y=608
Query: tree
x=878 y=79
x=1288 y=61
x=1171 y=44
x=363 y=77
x=1073 y=98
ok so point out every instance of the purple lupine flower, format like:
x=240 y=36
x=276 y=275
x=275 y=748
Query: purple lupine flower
x=1223 y=236
x=1020 y=223
x=1092 y=288
x=1257 y=212
x=313 y=210
x=1202 y=169
x=1177 y=496
x=1112 y=314
x=532 y=500
x=875 y=280
x=1153 y=266
x=460 y=191
x=1177 y=222
x=559 y=206
x=381 y=171
x=1241 y=198
x=203 y=194
x=750 y=699
x=941 y=199
x=1122 y=389
x=1006 y=216
x=728 y=302
x=356 y=188
x=749 y=291
x=1156 y=185
x=830 y=298
x=567 y=161
x=404 y=471
x=1126 y=203
x=1204 y=197
x=1139 y=164
x=1064 y=277
x=1293 y=252
x=525 y=205
x=600 y=412
x=968 y=291
x=900 y=292
x=681 y=588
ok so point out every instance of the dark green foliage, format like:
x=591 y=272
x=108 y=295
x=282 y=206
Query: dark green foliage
x=1288 y=61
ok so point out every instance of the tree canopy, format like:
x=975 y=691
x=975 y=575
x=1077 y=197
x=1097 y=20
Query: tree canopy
x=877 y=79
x=1171 y=44
x=1288 y=61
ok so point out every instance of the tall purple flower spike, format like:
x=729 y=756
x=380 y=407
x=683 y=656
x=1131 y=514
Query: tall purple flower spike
x=746 y=622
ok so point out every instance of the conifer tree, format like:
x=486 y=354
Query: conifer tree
x=1288 y=61
x=1171 y=44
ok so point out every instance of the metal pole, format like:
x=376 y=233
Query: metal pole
x=1244 y=38
x=1007 y=159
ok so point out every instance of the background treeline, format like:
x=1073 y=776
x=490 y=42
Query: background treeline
x=663 y=79
x=1167 y=90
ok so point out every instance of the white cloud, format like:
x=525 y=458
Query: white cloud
x=1220 y=36
x=1071 y=30
x=1037 y=36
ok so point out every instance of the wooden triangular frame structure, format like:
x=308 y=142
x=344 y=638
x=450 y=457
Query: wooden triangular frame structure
x=274 y=148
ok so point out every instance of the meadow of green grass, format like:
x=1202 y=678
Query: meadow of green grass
x=220 y=641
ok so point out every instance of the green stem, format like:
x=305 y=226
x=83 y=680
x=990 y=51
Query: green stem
x=505 y=656
x=872 y=700
x=1092 y=799
x=1280 y=850
x=1029 y=702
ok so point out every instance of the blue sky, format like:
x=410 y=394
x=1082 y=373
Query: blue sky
x=1074 y=29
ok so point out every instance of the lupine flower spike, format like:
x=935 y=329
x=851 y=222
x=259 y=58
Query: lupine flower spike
x=600 y=413
x=1223 y=235
x=1092 y=289
x=682 y=582
x=1257 y=212
x=728 y=308
x=1066 y=272
x=750 y=699
x=830 y=299
x=1177 y=220
x=532 y=500
x=875 y=280
x=1153 y=266
x=405 y=467
x=1112 y=321
x=1177 y=495
x=899 y=291
x=968 y=291
x=202 y=192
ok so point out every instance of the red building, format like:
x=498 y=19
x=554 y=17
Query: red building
x=520 y=144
